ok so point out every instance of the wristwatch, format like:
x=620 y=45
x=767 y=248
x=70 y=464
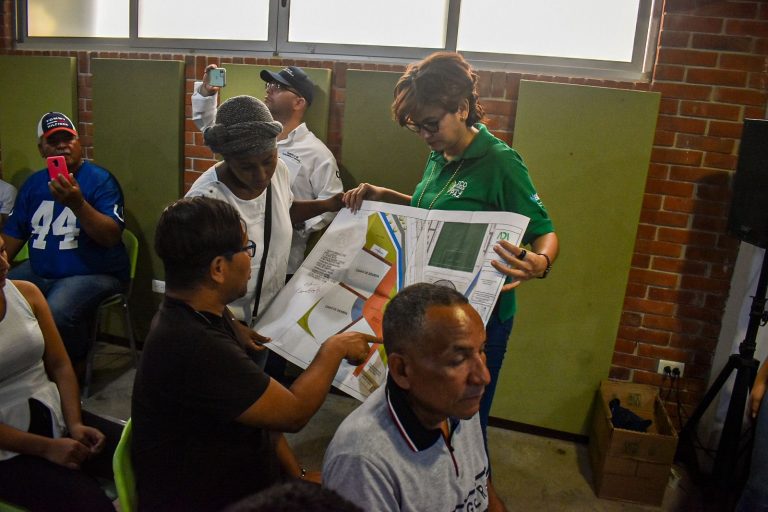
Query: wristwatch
x=549 y=265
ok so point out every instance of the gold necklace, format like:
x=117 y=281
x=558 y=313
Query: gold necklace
x=445 y=187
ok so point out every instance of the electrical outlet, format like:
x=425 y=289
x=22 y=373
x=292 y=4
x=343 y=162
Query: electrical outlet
x=672 y=365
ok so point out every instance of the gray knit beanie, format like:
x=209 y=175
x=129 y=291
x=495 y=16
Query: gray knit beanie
x=243 y=126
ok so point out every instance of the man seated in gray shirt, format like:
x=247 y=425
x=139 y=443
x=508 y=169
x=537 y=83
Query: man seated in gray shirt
x=415 y=444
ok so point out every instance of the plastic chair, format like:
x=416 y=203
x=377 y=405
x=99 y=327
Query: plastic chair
x=119 y=299
x=125 y=482
x=22 y=255
x=8 y=507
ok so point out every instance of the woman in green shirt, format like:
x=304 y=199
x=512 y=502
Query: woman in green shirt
x=469 y=169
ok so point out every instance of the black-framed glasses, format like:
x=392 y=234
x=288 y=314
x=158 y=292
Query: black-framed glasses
x=250 y=249
x=277 y=87
x=430 y=126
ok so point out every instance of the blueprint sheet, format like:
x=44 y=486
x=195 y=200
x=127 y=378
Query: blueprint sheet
x=364 y=259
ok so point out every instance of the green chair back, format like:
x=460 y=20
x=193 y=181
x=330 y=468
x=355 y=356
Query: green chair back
x=132 y=248
x=125 y=482
x=23 y=254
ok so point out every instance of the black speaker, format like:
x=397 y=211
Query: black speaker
x=748 y=219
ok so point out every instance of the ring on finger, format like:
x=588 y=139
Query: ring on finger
x=522 y=255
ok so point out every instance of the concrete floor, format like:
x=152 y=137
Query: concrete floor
x=531 y=473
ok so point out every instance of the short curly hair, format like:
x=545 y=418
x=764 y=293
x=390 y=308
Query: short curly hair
x=445 y=79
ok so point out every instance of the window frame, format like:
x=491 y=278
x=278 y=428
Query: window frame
x=278 y=46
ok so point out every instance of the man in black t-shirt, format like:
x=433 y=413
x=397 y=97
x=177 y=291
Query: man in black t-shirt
x=206 y=418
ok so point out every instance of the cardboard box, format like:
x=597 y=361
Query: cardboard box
x=628 y=465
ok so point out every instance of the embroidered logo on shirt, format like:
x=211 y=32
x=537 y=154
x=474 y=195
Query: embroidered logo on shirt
x=457 y=188
x=535 y=199
x=292 y=156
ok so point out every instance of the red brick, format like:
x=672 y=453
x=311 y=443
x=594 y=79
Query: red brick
x=678 y=266
x=714 y=144
x=644 y=336
x=683 y=91
x=746 y=28
x=720 y=161
x=658 y=171
x=634 y=362
x=681 y=124
x=741 y=62
x=698 y=175
x=672 y=39
x=631 y=320
x=740 y=96
x=758 y=81
x=686 y=236
x=721 y=43
x=704 y=284
x=202 y=165
x=680 y=297
x=668 y=106
x=197 y=151
x=668 y=353
x=710 y=110
x=722 y=9
x=648 y=306
x=664 y=138
x=641 y=261
x=667 y=187
x=659 y=248
x=690 y=341
x=669 y=73
x=646 y=232
x=705 y=223
x=617 y=373
x=664 y=218
x=752 y=112
x=676 y=156
x=716 y=77
x=650 y=378
x=724 y=129
x=636 y=290
x=692 y=23
x=652 y=202
x=688 y=57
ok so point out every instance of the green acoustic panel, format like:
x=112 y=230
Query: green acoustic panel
x=588 y=151
x=32 y=86
x=139 y=135
x=375 y=148
x=246 y=79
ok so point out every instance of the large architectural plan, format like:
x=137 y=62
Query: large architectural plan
x=364 y=259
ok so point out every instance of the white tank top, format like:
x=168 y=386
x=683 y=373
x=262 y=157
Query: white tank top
x=22 y=373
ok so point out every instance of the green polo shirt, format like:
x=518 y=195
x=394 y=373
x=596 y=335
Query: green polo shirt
x=488 y=176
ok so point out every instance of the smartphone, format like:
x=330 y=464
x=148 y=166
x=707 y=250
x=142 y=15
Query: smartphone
x=57 y=165
x=217 y=77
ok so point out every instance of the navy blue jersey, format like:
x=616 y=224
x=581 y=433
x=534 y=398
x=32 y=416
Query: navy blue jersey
x=58 y=247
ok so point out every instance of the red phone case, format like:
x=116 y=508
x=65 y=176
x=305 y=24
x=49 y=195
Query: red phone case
x=57 y=165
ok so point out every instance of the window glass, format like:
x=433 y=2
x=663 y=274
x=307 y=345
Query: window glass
x=79 y=18
x=594 y=29
x=199 y=19
x=409 y=23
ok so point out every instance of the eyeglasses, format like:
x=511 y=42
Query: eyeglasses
x=277 y=87
x=250 y=248
x=430 y=126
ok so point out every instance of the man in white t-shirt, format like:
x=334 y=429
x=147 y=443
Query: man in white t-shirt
x=313 y=169
x=7 y=197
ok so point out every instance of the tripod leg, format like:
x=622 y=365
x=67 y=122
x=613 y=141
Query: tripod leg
x=686 y=450
x=728 y=449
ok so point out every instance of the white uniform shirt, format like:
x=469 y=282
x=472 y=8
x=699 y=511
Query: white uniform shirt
x=7 y=197
x=252 y=212
x=313 y=169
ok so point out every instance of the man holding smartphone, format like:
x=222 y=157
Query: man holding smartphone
x=73 y=225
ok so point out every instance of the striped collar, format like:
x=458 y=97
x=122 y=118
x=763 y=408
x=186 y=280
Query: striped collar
x=413 y=432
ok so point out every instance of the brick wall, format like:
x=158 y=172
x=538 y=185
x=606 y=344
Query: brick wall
x=712 y=72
